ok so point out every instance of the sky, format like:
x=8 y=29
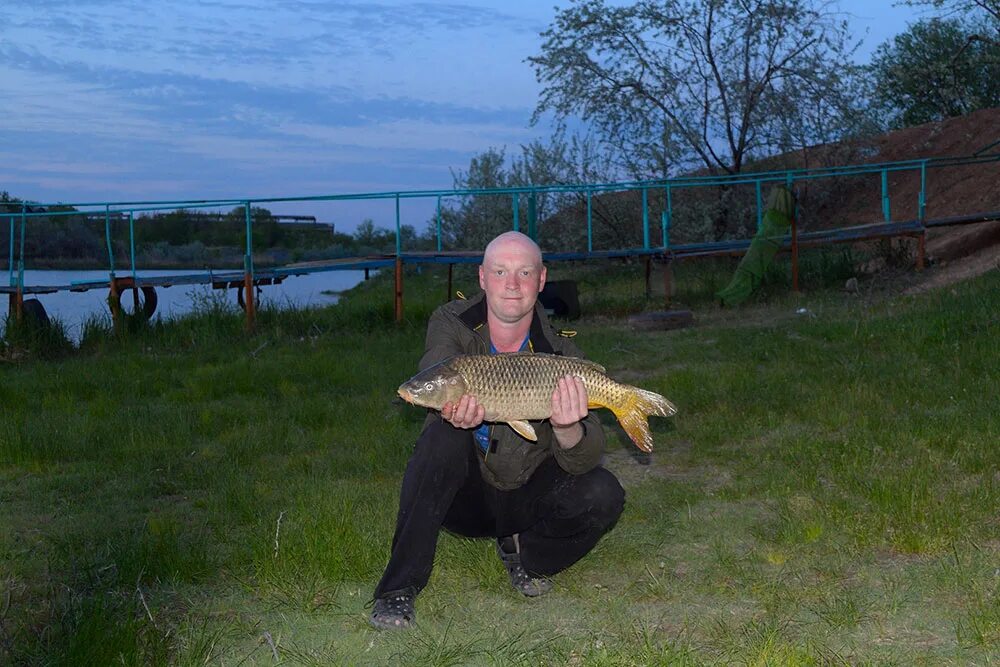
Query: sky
x=114 y=100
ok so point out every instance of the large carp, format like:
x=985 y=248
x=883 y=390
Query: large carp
x=518 y=386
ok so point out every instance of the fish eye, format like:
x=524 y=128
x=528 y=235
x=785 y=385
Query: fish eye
x=429 y=386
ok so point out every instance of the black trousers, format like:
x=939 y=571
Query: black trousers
x=559 y=516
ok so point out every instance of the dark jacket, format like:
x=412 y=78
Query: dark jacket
x=459 y=327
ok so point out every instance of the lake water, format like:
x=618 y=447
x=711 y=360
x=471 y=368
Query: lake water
x=74 y=308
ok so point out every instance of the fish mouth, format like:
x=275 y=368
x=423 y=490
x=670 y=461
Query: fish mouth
x=405 y=394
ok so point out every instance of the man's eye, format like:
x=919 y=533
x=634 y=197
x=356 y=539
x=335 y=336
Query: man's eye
x=500 y=272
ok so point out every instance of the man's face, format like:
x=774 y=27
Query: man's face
x=511 y=275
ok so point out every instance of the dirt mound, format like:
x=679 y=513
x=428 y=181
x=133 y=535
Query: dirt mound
x=955 y=253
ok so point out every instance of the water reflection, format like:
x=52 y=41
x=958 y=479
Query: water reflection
x=75 y=308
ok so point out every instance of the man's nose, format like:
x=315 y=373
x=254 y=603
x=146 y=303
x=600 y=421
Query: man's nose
x=512 y=282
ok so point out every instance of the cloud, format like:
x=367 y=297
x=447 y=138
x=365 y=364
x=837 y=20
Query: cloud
x=232 y=97
x=278 y=33
x=134 y=102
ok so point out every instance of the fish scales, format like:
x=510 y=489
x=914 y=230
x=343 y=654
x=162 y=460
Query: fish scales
x=520 y=385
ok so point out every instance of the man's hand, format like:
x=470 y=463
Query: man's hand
x=569 y=408
x=467 y=413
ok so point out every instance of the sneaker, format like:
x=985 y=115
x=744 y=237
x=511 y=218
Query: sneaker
x=509 y=550
x=394 y=610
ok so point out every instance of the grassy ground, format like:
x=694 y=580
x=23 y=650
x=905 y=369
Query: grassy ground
x=828 y=493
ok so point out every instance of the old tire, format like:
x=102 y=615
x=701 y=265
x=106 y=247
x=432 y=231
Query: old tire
x=147 y=302
x=34 y=312
x=241 y=300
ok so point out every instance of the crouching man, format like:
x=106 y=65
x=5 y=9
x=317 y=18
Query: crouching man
x=546 y=503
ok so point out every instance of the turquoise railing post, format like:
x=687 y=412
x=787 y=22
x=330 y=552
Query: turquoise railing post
x=590 y=223
x=922 y=197
x=760 y=205
x=398 y=301
x=107 y=236
x=20 y=259
x=249 y=296
x=667 y=212
x=248 y=258
x=517 y=211
x=645 y=219
x=795 y=235
x=399 y=230
x=788 y=184
x=533 y=215
x=10 y=254
x=131 y=239
x=439 y=223
x=885 y=196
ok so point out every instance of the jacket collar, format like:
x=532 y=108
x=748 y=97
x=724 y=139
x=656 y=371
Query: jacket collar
x=474 y=317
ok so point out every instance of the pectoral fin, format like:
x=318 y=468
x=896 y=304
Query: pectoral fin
x=524 y=429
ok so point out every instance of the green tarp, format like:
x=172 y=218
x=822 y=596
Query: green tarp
x=774 y=225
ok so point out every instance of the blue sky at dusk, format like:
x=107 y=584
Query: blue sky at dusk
x=128 y=99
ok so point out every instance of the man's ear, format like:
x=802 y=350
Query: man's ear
x=482 y=278
x=541 y=280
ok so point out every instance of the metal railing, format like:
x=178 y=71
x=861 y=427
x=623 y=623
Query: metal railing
x=587 y=191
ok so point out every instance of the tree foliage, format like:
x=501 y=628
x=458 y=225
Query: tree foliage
x=683 y=84
x=989 y=8
x=371 y=239
x=167 y=238
x=469 y=222
x=934 y=71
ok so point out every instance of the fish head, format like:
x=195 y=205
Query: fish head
x=434 y=387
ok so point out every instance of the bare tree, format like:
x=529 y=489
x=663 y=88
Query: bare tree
x=688 y=84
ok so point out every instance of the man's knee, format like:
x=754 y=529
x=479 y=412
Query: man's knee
x=604 y=496
x=594 y=498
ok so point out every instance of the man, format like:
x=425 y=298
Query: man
x=546 y=503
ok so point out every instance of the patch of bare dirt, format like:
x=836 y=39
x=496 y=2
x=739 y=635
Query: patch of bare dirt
x=632 y=469
x=977 y=263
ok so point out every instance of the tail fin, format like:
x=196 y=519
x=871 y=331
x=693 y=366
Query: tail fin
x=637 y=405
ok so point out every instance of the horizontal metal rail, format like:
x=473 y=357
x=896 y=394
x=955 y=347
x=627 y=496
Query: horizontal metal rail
x=743 y=178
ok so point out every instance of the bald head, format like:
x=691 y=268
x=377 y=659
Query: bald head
x=513 y=241
x=511 y=275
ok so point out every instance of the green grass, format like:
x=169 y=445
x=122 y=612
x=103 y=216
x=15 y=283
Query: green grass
x=188 y=494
